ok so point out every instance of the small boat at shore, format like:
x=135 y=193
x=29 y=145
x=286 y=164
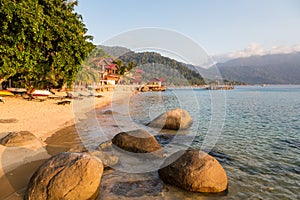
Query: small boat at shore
x=40 y=93
x=6 y=93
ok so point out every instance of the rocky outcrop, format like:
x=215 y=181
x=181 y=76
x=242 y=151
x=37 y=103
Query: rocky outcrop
x=194 y=171
x=22 y=138
x=173 y=119
x=137 y=141
x=66 y=176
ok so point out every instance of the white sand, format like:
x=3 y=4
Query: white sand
x=40 y=118
x=43 y=119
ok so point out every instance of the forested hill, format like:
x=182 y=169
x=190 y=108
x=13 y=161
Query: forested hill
x=155 y=65
x=114 y=51
x=166 y=67
x=267 y=69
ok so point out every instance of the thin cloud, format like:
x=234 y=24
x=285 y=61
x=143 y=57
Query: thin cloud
x=255 y=49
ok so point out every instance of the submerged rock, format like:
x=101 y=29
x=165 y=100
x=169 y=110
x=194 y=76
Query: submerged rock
x=194 y=171
x=173 y=119
x=117 y=184
x=105 y=146
x=137 y=141
x=109 y=112
x=138 y=188
x=106 y=154
x=107 y=159
x=66 y=176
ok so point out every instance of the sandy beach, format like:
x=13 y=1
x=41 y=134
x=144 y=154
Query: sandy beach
x=43 y=119
x=52 y=124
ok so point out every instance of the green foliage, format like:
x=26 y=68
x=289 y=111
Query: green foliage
x=42 y=42
x=87 y=75
x=123 y=69
x=96 y=54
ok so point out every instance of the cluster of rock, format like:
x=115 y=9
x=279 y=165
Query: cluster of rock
x=78 y=175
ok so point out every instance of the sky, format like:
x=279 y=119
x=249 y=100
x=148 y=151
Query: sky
x=218 y=26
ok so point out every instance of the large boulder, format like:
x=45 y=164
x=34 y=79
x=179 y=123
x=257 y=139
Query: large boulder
x=173 y=119
x=22 y=138
x=194 y=171
x=66 y=176
x=136 y=141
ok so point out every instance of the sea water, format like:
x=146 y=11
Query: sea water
x=253 y=131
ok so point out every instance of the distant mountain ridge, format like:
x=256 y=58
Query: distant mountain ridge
x=266 y=69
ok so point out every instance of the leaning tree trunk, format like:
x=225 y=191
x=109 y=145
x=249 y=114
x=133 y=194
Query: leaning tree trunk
x=1 y=81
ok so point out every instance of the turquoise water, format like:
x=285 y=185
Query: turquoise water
x=253 y=131
x=258 y=142
x=261 y=136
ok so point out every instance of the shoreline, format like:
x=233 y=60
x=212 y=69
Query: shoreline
x=56 y=119
x=44 y=120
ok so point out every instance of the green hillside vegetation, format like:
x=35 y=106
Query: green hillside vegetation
x=114 y=51
x=156 y=65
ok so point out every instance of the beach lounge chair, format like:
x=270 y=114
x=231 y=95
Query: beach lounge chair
x=85 y=94
x=64 y=102
x=93 y=94
x=58 y=95
x=73 y=95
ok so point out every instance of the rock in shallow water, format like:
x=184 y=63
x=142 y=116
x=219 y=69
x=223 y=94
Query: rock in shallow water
x=194 y=171
x=106 y=154
x=66 y=176
x=109 y=112
x=173 y=119
x=127 y=186
x=137 y=141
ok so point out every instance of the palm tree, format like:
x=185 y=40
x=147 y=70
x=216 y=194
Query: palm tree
x=87 y=75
